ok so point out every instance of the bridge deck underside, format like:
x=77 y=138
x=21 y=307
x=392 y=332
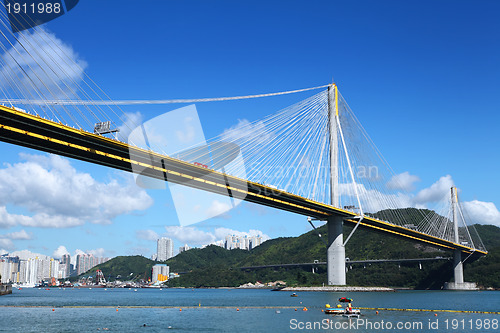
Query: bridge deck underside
x=30 y=131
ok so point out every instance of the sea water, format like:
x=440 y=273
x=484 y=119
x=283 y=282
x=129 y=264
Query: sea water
x=241 y=310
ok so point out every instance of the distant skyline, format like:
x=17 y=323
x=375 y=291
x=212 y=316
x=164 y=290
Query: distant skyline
x=421 y=76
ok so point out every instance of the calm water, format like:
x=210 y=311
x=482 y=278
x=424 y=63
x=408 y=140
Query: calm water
x=31 y=310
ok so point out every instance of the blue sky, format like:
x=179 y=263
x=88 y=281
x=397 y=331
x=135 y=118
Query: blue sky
x=421 y=76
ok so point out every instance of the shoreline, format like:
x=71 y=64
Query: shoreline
x=339 y=289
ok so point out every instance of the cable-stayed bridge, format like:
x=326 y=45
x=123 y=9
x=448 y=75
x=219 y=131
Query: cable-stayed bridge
x=312 y=158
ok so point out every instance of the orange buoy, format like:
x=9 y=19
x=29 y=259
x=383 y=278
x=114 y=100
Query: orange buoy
x=376 y=312
x=237 y=309
x=435 y=315
x=295 y=309
x=180 y=309
x=53 y=309
x=304 y=309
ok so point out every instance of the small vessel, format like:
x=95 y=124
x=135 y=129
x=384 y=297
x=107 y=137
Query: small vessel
x=294 y=295
x=335 y=311
x=348 y=311
x=351 y=315
x=342 y=311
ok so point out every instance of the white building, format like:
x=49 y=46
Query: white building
x=184 y=248
x=160 y=273
x=28 y=272
x=86 y=261
x=61 y=274
x=165 y=249
x=242 y=242
x=66 y=261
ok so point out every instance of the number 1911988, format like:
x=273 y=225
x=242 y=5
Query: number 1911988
x=40 y=8
x=471 y=324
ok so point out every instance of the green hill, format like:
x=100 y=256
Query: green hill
x=364 y=244
x=125 y=268
x=214 y=266
x=486 y=270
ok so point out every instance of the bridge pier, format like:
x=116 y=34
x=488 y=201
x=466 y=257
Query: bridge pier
x=335 y=255
x=458 y=266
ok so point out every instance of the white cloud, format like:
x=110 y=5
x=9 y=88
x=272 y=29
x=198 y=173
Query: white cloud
x=147 y=235
x=25 y=254
x=43 y=63
x=189 y=235
x=245 y=130
x=22 y=234
x=221 y=233
x=131 y=121
x=10 y=220
x=403 y=181
x=482 y=212
x=435 y=192
x=59 y=252
x=217 y=208
x=100 y=252
x=6 y=243
x=196 y=237
x=59 y=196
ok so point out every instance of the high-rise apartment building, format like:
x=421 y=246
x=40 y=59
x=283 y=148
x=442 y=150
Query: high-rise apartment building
x=86 y=261
x=66 y=260
x=242 y=242
x=165 y=249
x=184 y=248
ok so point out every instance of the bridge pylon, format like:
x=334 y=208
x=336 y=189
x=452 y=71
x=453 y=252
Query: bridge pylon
x=458 y=266
x=335 y=257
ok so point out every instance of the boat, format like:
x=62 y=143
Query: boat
x=348 y=311
x=342 y=311
x=351 y=315
x=294 y=295
x=338 y=311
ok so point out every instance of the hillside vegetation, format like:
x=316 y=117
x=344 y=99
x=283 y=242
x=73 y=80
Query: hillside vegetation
x=214 y=266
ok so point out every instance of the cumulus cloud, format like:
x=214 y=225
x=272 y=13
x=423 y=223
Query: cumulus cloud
x=403 y=181
x=221 y=233
x=59 y=252
x=435 y=192
x=25 y=255
x=100 y=252
x=9 y=220
x=482 y=212
x=59 y=196
x=149 y=235
x=190 y=235
x=22 y=235
x=196 y=237
x=42 y=62
x=218 y=208
x=6 y=244
x=77 y=252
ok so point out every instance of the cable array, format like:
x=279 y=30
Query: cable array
x=289 y=150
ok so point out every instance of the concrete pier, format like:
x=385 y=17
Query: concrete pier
x=335 y=255
x=5 y=289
